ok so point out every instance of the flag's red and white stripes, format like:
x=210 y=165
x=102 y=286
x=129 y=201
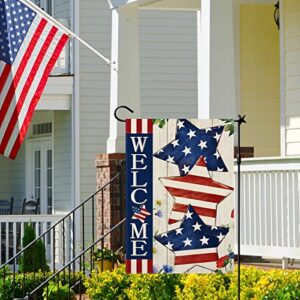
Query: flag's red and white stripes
x=186 y=259
x=22 y=83
x=198 y=189
x=142 y=215
x=139 y=266
x=139 y=126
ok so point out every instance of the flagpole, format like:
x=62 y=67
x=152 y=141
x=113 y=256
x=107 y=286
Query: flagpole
x=240 y=121
x=67 y=30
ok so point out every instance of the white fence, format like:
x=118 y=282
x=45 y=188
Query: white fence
x=270 y=208
x=12 y=231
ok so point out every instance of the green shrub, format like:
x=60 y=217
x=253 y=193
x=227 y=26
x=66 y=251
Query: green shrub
x=34 y=258
x=255 y=284
x=153 y=287
x=57 y=291
x=108 y=285
x=9 y=290
x=27 y=283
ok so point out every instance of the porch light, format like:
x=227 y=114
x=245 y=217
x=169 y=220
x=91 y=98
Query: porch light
x=276 y=15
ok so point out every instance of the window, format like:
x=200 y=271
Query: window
x=46 y=5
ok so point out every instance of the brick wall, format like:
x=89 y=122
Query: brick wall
x=110 y=203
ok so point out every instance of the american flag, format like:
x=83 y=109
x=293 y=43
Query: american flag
x=140 y=213
x=196 y=188
x=29 y=48
x=190 y=143
x=193 y=242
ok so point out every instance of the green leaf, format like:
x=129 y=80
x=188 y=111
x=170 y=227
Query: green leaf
x=160 y=122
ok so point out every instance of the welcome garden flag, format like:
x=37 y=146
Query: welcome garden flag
x=179 y=196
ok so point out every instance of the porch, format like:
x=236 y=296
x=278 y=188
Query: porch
x=45 y=152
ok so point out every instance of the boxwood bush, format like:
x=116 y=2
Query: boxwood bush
x=8 y=291
x=255 y=284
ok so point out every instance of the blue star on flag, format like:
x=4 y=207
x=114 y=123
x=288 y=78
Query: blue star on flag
x=193 y=242
x=189 y=144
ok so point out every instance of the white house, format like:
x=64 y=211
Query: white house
x=171 y=58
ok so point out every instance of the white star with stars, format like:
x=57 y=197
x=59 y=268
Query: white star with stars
x=186 y=151
x=185 y=169
x=179 y=231
x=217 y=155
x=191 y=133
x=197 y=226
x=204 y=240
x=171 y=159
x=217 y=136
x=175 y=143
x=187 y=242
x=220 y=236
x=180 y=124
x=202 y=144
x=170 y=246
x=189 y=215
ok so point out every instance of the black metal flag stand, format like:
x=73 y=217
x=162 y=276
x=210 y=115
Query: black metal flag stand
x=239 y=121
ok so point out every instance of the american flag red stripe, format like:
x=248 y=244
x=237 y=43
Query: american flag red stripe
x=196 y=258
x=139 y=266
x=25 y=90
x=196 y=188
x=143 y=126
x=199 y=210
x=34 y=102
x=23 y=81
x=188 y=259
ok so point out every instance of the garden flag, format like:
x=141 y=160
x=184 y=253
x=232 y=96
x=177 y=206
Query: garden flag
x=29 y=48
x=179 y=196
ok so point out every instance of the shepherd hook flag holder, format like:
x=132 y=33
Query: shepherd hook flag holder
x=192 y=232
x=239 y=121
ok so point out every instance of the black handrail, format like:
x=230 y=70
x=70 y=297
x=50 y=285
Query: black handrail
x=74 y=259
x=68 y=219
x=58 y=222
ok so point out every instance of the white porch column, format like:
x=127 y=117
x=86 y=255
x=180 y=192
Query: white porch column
x=218 y=59
x=125 y=88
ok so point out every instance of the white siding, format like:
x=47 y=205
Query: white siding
x=168 y=54
x=95 y=28
x=292 y=76
x=12 y=182
x=62 y=161
x=62 y=9
x=168 y=75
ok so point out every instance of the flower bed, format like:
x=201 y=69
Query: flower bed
x=255 y=284
x=23 y=285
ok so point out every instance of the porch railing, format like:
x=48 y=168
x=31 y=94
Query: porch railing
x=63 y=241
x=270 y=207
x=12 y=231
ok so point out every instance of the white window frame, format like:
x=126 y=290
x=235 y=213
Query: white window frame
x=44 y=5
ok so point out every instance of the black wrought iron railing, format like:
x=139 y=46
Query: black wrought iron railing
x=65 y=271
x=63 y=241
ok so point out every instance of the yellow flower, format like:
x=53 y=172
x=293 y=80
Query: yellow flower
x=158 y=202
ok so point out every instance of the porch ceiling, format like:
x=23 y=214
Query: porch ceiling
x=159 y=4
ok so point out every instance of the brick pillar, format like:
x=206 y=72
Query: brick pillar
x=110 y=203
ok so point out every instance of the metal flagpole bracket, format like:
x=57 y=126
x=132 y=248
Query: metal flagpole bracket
x=239 y=121
x=117 y=109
